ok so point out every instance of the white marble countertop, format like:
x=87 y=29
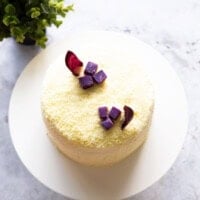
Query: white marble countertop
x=173 y=28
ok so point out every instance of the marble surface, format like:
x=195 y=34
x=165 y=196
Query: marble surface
x=171 y=27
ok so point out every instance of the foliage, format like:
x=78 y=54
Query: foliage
x=29 y=18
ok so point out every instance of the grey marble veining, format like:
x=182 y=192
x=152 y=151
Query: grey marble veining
x=173 y=28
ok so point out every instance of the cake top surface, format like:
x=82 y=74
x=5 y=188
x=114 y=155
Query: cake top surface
x=74 y=111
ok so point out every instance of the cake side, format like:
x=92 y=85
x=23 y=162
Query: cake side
x=98 y=157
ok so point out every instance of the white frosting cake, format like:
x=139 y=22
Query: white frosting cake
x=71 y=113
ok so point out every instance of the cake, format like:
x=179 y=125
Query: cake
x=71 y=112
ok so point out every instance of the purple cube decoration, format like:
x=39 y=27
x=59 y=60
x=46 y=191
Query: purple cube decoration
x=103 y=112
x=114 y=113
x=91 y=68
x=107 y=124
x=86 y=81
x=99 y=77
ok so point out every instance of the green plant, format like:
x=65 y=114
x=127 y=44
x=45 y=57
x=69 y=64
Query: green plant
x=29 y=18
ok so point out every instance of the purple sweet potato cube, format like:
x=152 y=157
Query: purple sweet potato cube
x=99 y=77
x=103 y=112
x=86 y=81
x=91 y=68
x=107 y=124
x=114 y=113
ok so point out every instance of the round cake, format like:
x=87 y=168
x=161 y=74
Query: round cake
x=71 y=112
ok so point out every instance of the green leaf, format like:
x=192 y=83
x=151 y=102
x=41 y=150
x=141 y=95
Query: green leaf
x=57 y=22
x=69 y=8
x=44 y=8
x=39 y=33
x=33 y=12
x=10 y=9
x=41 y=42
x=10 y=20
x=44 y=22
x=17 y=33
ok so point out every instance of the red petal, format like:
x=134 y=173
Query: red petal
x=73 y=63
x=128 y=116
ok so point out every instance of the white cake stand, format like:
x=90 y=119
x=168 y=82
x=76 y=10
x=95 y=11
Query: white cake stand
x=139 y=171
